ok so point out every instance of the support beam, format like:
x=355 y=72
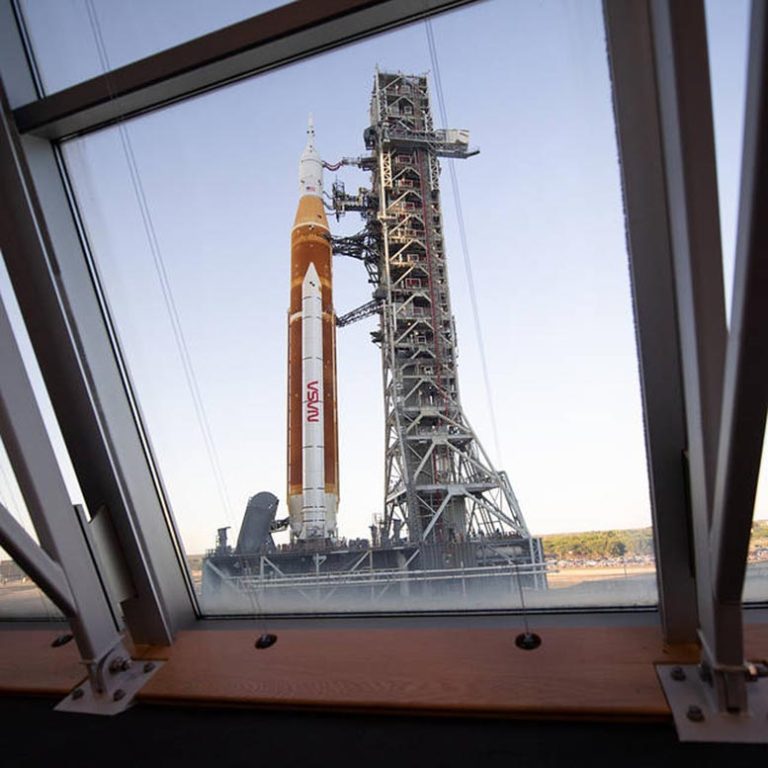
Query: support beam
x=636 y=109
x=31 y=558
x=285 y=34
x=685 y=107
x=63 y=565
x=67 y=322
x=95 y=626
x=725 y=375
x=745 y=387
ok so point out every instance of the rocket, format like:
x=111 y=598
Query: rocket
x=313 y=454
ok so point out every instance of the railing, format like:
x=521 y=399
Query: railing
x=371 y=577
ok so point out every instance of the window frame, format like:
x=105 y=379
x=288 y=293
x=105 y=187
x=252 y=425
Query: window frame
x=99 y=416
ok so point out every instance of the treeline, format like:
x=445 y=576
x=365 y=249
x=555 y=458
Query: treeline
x=759 y=534
x=635 y=542
x=599 y=545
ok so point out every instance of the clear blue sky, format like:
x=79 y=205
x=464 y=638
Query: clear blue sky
x=543 y=211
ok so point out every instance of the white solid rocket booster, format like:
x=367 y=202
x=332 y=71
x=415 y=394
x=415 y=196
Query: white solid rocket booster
x=313 y=424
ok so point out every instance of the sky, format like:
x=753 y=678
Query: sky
x=211 y=199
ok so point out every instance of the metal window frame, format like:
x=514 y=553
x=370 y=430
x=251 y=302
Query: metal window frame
x=628 y=29
x=57 y=295
x=657 y=52
x=724 y=374
x=289 y=33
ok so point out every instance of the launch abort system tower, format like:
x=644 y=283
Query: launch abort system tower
x=440 y=484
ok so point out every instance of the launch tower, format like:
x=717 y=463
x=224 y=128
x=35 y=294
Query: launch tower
x=439 y=482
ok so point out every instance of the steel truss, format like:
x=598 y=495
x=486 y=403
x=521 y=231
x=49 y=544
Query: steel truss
x=439 y=482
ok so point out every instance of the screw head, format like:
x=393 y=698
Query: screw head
x=266 y=640
x=528 y=641
x=118 y=694
x=78 y=693
x=148 y=667
x=694 y=714
x=677 y=673
x=116 y=665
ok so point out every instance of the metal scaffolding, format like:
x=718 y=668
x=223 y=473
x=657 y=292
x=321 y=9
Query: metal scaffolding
x=439 y=481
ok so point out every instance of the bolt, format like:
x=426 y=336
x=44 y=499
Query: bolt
x=148 y=667
x=528 y=641
x=677 y=673
x=266 y=640
x=118 y=694
x=78 y=693
x=119 y=664
x=694 y=714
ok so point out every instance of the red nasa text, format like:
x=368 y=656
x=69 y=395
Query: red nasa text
x=313 y=400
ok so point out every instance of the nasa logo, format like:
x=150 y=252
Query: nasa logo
x=313 y=400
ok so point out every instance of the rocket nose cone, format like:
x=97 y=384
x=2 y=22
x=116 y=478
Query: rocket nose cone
x=310 y=165
x=310 y=151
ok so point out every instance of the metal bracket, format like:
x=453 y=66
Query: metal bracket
x=111 y=685
x=692 y=698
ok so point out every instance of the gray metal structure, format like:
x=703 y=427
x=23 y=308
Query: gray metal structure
x=718 y=378
x=439 y=482
x=255 y=532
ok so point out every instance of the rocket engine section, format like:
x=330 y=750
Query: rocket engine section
x=313 y=454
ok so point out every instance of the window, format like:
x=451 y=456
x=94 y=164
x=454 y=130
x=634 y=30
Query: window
x=77 y=40
x=163 y=388
x=187 y=214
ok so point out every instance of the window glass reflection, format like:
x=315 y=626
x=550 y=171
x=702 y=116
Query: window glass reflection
x=75 y=40
x=189 y=213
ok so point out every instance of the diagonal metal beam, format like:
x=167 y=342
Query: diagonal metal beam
x=745 y=386
x=272 y=39
x=36 y=563
x=63 y=547
x=649 y=245
x=62 y=310
x=685 y=110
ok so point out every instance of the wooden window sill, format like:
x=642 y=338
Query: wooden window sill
x=584 y=672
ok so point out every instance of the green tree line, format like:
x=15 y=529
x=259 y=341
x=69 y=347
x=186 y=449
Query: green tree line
x=599 y=545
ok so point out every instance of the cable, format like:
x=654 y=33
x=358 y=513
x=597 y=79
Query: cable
x=165 y=285
x=463 y=240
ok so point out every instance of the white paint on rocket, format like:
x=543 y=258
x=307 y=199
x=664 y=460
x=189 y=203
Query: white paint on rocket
x=313 y=414
x=310 y=166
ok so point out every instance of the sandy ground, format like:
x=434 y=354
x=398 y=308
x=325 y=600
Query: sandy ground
x=569 y=577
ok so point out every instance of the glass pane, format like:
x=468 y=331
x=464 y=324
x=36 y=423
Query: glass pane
x=728 y=38
x=75 y=40
x=756 y=583
x=189 y=213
